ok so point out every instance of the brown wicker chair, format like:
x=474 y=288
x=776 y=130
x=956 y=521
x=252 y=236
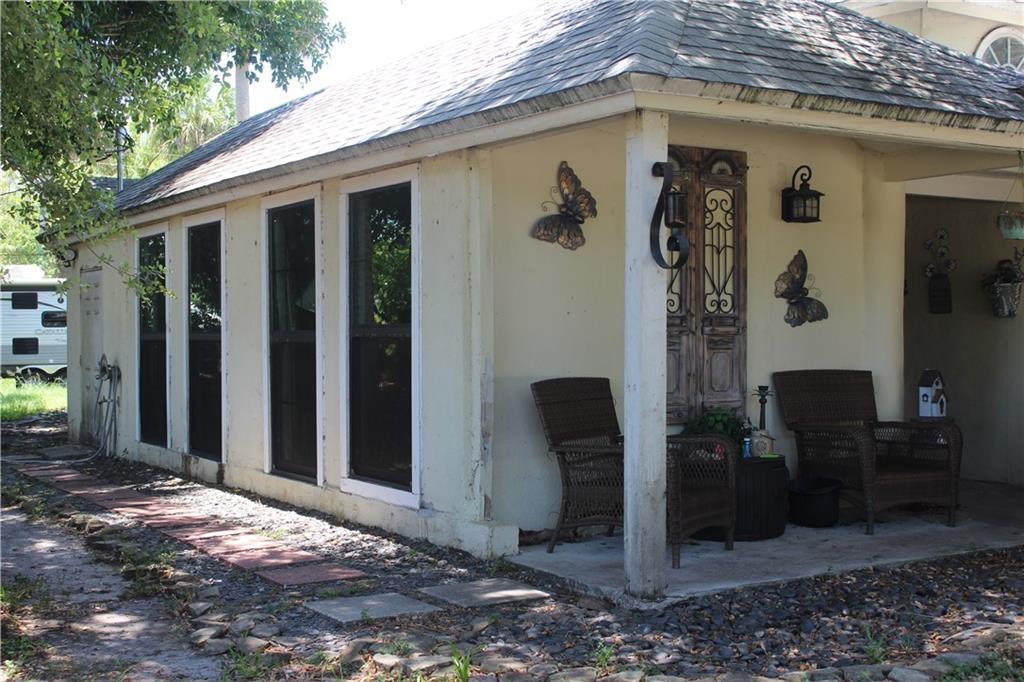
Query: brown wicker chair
x=582 y=430
x=880 y=464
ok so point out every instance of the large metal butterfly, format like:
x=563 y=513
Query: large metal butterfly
x=565 y=227
x=790 y=286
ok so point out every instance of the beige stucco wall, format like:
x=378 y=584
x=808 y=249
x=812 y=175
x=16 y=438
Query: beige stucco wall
x=978 y=354
x=500 y=310
x=559 y=313
x=452 y=474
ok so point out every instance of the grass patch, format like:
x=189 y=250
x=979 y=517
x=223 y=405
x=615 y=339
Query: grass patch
x=32 y=397
x=989 y=668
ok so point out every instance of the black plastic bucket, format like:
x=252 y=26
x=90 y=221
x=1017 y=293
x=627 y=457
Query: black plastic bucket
x=814 y=502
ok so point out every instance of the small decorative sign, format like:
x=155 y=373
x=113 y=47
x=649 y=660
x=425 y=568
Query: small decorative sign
x=940 y=289
x=577 y=204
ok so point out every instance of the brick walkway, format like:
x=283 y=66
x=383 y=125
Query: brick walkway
x=236 y=545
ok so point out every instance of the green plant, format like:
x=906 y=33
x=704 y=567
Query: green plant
x=33 y=396
x=461 y=664
x=720 y=420
x=329 y=592
x=398 y=648
x=364 y=615
x=988 y=668
x=246 y=666
x=273 y=534
x=603 y=655
x=875 y=649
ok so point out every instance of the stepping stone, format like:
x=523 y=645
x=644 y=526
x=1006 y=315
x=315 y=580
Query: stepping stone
x=229 y=544
x=65 y=451
x=46 y=471
x=484 y=592
x=269 y=558
x=126 y=499
x=136 y=511
x=210 y=530
x=311 y=573
x=387 y=605
x=173 y=520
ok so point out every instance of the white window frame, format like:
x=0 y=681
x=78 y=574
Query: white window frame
x=998 y=34
x=140 y=234
x=380 y=491
x=215 y=216
x=294 y=196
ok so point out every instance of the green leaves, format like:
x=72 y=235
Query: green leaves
x=75 y=72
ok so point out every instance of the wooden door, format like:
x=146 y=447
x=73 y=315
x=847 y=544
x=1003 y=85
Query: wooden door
x=706 y=298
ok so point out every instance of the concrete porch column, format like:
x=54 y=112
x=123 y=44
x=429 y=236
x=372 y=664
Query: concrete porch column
x=644 y=373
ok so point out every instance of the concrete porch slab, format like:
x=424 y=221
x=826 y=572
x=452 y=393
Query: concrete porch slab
x=484 y=592
x=373 y=606
x=991 y=516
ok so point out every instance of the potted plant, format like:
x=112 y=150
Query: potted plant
x=1004 y=285
x=720 y=420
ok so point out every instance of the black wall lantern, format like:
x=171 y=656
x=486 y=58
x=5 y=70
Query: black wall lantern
x=801 y=205
x=672 y=205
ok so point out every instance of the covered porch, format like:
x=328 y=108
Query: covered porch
x=990 y=517
x=860 y=255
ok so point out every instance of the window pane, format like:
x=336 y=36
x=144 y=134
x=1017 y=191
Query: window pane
x=24 y=300
x=293 y=338
x=55 y=318
x=204 y=371
x=152 y=348
x=380 y=343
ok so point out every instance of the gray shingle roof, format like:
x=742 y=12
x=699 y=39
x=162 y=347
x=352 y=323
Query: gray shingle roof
x=808 y=47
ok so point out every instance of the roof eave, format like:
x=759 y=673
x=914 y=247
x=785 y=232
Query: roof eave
x=829 y=114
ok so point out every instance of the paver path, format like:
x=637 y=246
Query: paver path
x=79 y=614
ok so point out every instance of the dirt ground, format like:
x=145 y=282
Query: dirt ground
x=83 y=614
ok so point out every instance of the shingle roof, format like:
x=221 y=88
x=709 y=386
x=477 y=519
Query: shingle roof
x=808 y=47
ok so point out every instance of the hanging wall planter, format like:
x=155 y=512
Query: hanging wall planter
x=1005 y=284
x=1010 y=220
x=1011 y=224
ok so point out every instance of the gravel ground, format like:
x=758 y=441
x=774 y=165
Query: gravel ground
x=894 y=614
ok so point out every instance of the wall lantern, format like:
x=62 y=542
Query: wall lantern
x=801 y=205
x=672 y=205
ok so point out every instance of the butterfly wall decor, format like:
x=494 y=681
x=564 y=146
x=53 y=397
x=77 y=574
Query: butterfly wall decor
x=791 y=285
x=577 y=204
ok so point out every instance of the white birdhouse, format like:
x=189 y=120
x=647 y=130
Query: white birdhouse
x=931 y=394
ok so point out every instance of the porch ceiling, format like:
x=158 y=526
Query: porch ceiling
x=991 y=517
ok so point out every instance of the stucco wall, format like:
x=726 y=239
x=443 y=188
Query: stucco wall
x=452 y=475
x=501 y=310
x=559 y=313
x=978 y=354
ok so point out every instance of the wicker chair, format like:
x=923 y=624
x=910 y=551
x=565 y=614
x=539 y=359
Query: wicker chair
x=582 y=430
x=880 y=464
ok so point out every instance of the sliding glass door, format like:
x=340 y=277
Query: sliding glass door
x=380 y=336
x=292 y=300
x=204 y=340
x=152 y=345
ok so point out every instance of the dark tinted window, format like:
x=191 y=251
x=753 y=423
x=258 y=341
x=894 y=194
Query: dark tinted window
x=55 y=318
x=380 y=335
x=152 y=348
x=24 y=300
x=292 y=290
x=28 y=346
x=204 y=342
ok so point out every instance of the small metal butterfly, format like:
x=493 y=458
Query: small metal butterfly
x=565 y=227
x=790 y=285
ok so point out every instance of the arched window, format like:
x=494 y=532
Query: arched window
x=1003 y=47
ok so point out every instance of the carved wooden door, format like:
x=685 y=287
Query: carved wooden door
x=706 y=298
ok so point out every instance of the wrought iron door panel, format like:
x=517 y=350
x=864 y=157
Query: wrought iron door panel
x=706 y=300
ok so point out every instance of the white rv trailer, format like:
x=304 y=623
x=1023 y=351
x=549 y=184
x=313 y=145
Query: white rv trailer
x=33 y=329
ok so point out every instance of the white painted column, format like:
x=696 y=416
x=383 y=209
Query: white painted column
x=644 y=381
